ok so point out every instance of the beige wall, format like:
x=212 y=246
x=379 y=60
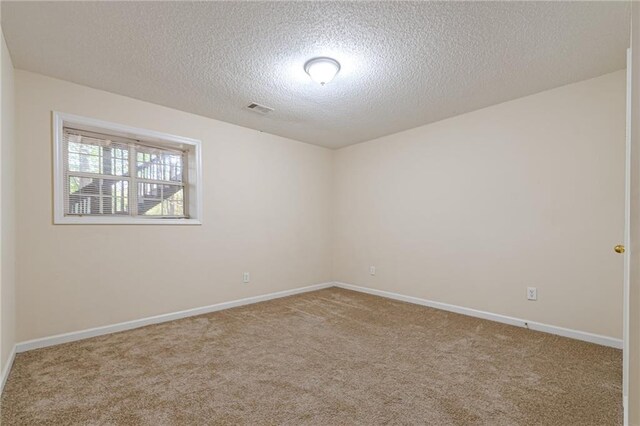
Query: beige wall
x=7 y=209
x=472 y=210
x=266 y=211
x=468 y=211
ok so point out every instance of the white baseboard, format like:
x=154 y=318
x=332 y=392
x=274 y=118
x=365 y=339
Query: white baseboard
x=107 y=329
x=532 y=325
x=4 y=375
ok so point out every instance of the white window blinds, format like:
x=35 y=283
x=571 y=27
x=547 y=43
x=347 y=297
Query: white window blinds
x=114 y=176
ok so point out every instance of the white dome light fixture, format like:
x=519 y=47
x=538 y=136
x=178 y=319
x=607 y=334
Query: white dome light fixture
x=322 y=70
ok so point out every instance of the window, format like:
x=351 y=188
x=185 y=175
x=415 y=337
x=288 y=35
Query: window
x=107 y=173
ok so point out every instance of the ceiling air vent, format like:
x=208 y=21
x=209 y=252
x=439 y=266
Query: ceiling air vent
x=260 y=109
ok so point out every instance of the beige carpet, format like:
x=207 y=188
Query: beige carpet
x=331 y=357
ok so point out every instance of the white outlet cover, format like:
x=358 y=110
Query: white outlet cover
x=246 y=277
x=372 y=270
x=532 y=293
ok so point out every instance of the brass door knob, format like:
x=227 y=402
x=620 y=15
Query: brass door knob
x=619 y=248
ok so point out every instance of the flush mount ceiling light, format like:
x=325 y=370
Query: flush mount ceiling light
x=322 y=70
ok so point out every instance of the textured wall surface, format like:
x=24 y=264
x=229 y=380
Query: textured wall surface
x=266 y=211
x=404 y=64
x=472 y=210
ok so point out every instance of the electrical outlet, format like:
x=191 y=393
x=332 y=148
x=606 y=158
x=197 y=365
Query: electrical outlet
x=372 y=270
x=245 y=277
x=532 y=293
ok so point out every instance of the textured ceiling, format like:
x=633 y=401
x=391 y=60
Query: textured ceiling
x=403 y=64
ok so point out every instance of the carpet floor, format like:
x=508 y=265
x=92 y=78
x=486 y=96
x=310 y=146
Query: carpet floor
x=330 y=357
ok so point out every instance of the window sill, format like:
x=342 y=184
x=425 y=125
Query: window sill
x=93 y=220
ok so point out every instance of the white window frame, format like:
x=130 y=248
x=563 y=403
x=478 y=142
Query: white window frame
x=192 y=148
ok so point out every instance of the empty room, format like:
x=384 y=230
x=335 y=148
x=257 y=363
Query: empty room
x=320 y=213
